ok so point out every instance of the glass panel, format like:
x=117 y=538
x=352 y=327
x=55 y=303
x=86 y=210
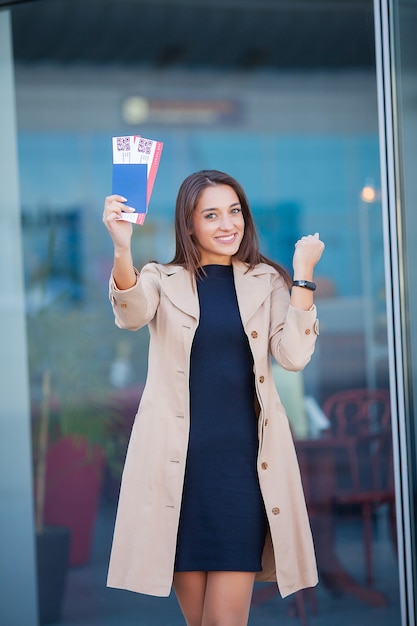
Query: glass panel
x=293 y=116
x=404 y=23
x=17 y=563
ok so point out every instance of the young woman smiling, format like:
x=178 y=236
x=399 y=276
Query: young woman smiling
x=211 y=497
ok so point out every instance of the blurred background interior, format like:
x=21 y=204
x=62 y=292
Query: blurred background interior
x=283 y=96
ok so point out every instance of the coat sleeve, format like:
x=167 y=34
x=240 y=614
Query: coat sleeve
x=135 y=307
x=293 y=331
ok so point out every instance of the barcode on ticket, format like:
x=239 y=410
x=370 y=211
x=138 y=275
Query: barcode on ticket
x=134 y=218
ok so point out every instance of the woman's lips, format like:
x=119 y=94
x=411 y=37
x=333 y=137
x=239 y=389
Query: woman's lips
x=226 y=238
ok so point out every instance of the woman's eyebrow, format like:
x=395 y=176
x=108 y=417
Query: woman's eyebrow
x=217 y=208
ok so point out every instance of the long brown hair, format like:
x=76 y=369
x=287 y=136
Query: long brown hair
x=186 y=251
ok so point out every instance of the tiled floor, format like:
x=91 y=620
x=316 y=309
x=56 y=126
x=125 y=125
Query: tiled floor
x=89 y=603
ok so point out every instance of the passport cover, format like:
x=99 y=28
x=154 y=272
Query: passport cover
x=130 y=180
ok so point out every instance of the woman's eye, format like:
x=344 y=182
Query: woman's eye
x=210 y=216
x=236 y=210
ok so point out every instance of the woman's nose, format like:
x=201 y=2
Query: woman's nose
x=226 y=222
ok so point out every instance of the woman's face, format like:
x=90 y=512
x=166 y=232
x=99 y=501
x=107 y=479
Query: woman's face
x=218 y=225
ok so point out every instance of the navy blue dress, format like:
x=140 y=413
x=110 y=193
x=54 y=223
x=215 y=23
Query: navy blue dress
x=222 y=522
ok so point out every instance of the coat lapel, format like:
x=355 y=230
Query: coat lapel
x=178 y=287
x=252 y=288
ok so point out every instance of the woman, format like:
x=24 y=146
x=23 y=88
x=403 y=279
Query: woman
x=211 y=497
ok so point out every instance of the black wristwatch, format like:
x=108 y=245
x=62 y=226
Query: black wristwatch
x=304 y=283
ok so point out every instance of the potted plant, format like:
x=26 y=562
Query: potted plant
x=75 y=421
x=76 y=429
x=52 y=542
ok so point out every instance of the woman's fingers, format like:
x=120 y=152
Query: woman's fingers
x=117 y=197
x=312 y=241
x=113 y=207
x=308 y=250
x=310 y=238
x=120 y=231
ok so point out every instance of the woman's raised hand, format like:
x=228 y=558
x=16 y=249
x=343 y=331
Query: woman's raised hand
x=121 y=233
x=120 y=230
x=307 y=254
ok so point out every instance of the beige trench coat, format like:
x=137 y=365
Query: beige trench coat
x=144 y=543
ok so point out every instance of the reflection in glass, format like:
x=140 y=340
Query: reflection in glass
x=303 y=140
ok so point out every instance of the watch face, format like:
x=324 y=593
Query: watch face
x=304 y=283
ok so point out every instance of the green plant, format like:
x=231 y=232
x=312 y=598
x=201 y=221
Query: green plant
x=70 y=391
x=71 y=345
x=42 y=450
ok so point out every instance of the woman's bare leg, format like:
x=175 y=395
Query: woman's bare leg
x=214 y=598
x=190 y=589
x=227 y=598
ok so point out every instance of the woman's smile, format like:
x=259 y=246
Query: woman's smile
x=227 y=238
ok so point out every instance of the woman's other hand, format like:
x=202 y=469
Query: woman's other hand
x=307 y=254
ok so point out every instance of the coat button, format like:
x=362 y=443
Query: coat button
x=123 y=305
x=261 y=379
x=275 y=511
x=307 y=331
x=254 y=334
x=266 y=422
x=264 y=465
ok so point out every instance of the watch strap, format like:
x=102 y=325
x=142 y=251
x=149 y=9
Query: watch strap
x=306 y=284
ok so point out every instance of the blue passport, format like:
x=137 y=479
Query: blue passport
x=130 y=180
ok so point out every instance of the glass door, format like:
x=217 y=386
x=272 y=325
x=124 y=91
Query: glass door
x=397 y=65
x=283 y=96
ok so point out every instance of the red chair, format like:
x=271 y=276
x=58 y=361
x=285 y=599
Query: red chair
x=361 y=421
